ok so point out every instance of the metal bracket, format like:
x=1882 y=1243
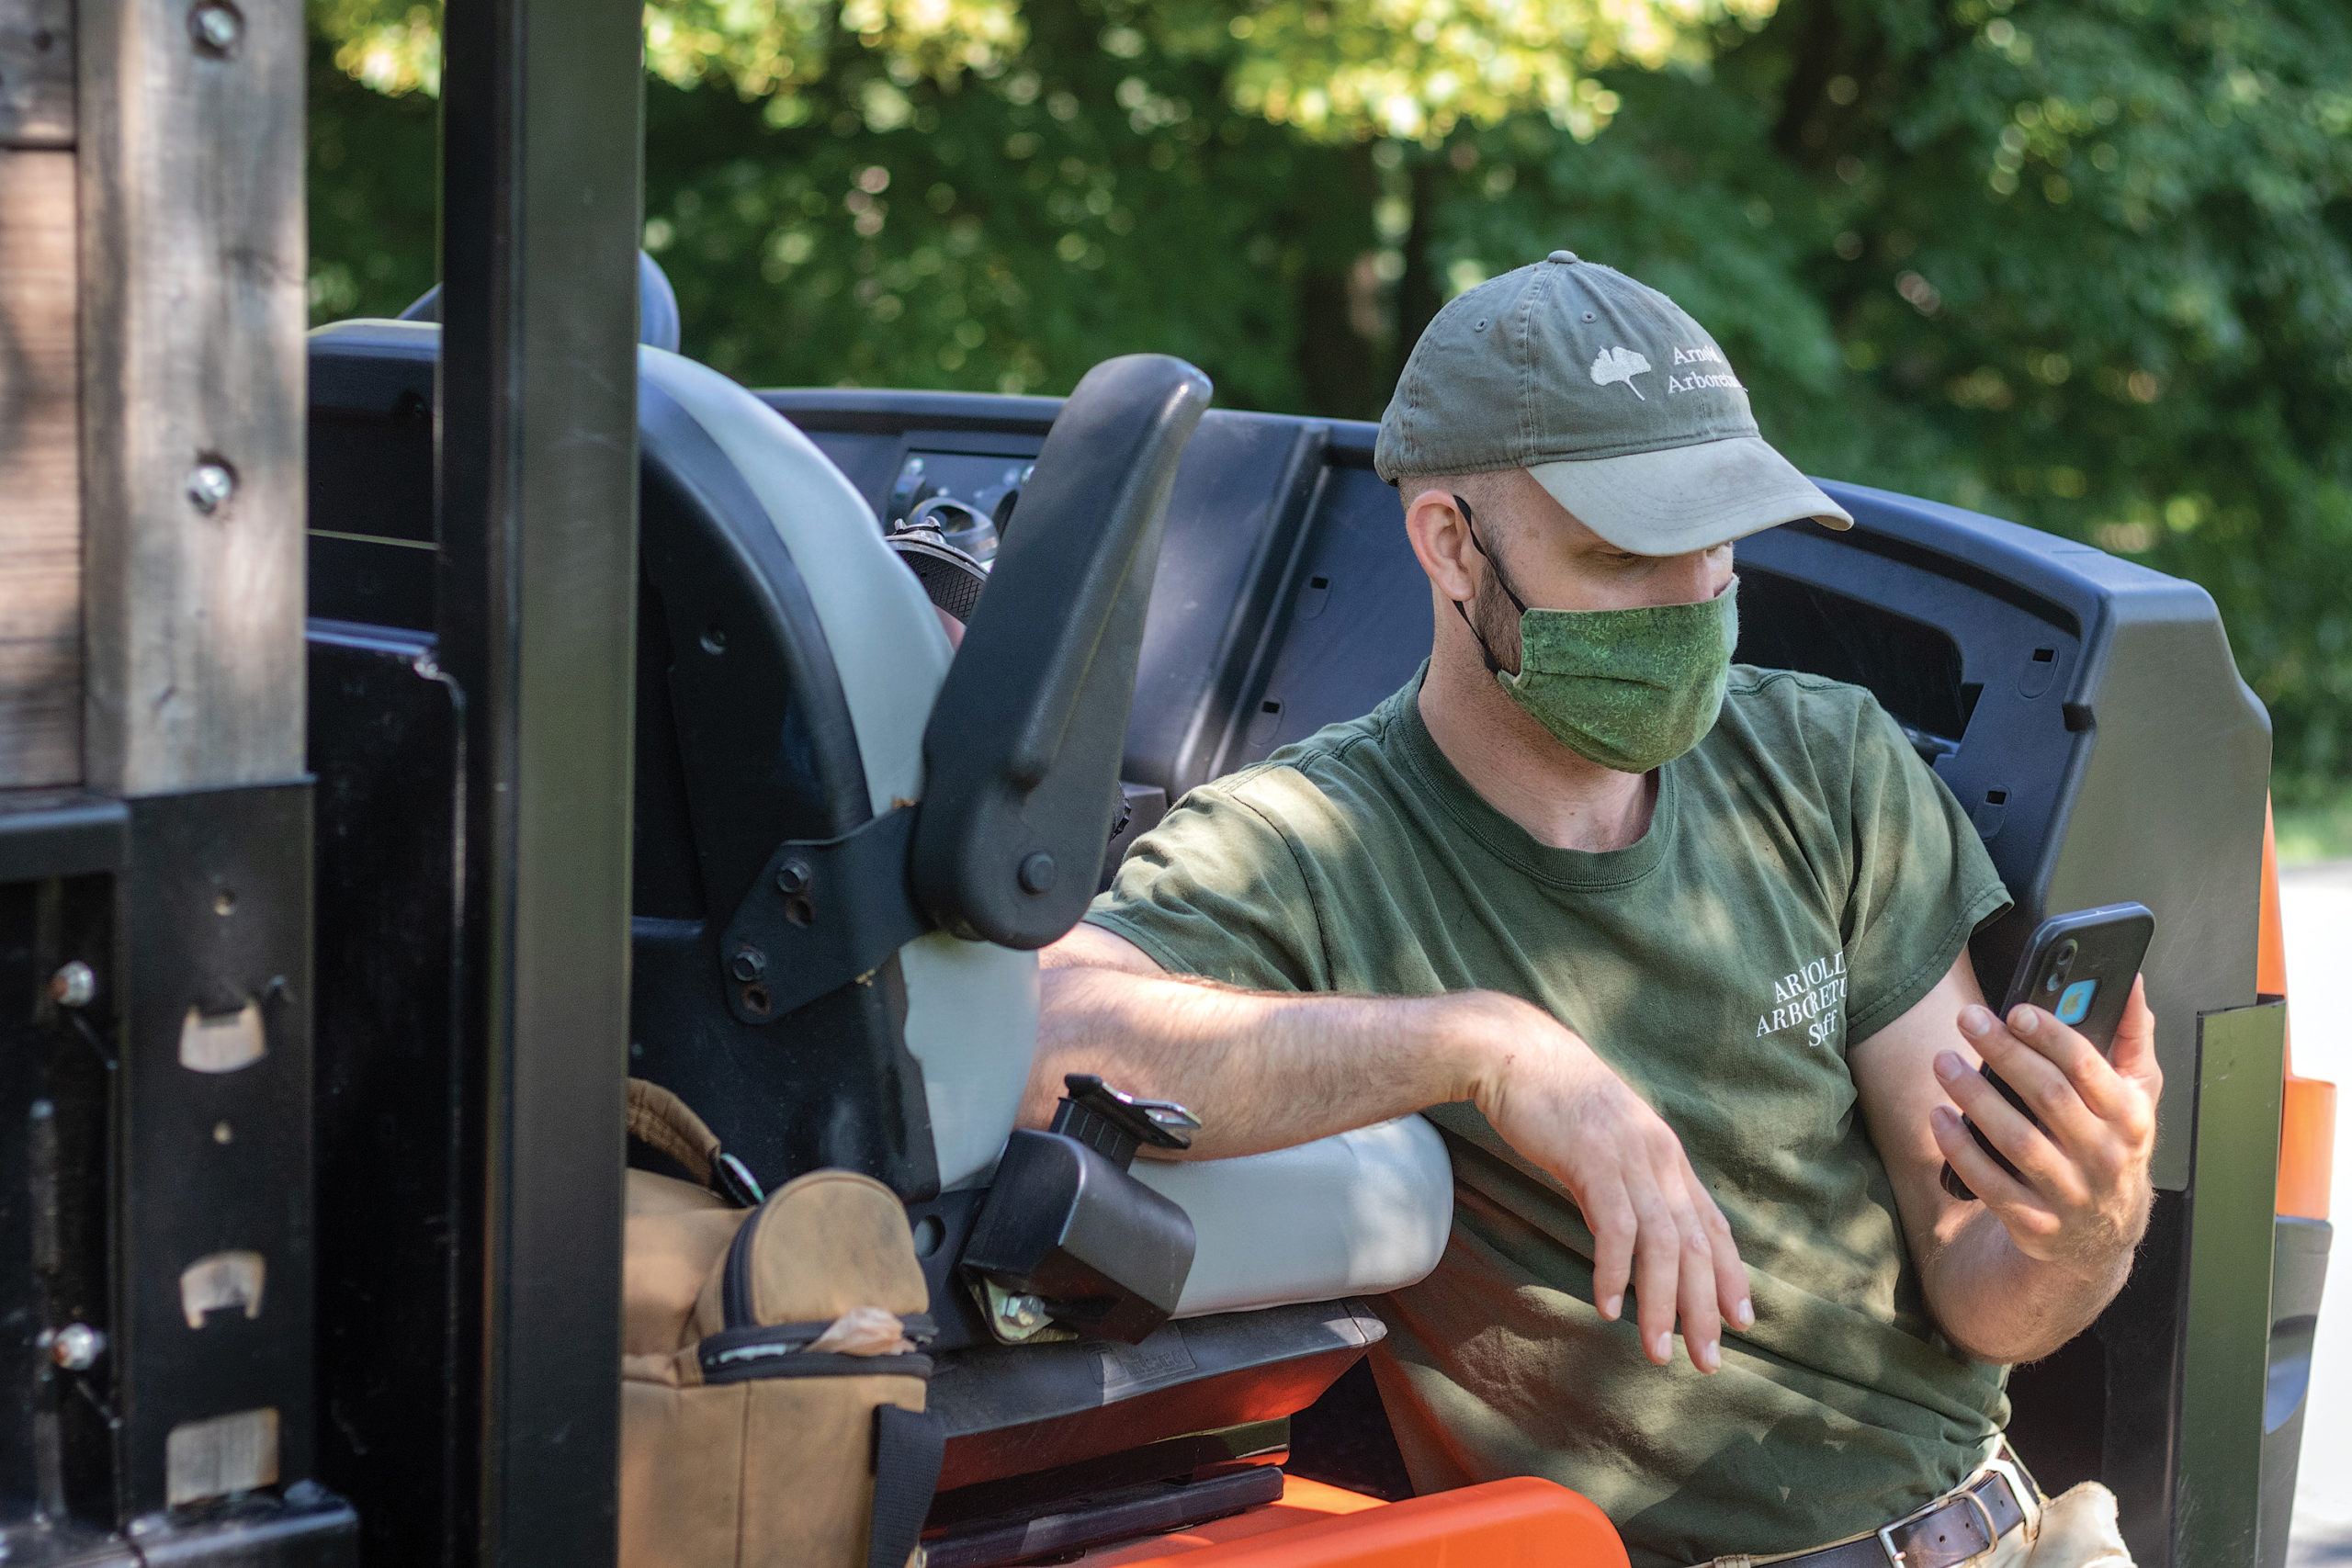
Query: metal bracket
x=1115 y=1125
x=1016 y=1319
x=821 y=914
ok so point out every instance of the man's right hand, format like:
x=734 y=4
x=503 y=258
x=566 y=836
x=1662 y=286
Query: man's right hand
x=1654 y=1225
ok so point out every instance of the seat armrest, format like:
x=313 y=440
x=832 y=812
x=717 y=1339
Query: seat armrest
x=1355 y=1214
x=1022 y=753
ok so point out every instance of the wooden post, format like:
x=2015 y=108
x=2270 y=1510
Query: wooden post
x=41 y=503
x=188 y=129
x=193 y=263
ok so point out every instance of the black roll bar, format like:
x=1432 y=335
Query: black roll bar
x=542 y=136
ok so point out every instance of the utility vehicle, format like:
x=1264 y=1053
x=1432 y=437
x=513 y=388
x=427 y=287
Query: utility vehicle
x=437 y=721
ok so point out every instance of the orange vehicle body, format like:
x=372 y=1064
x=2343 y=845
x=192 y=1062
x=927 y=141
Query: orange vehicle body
x=2307 y=1112
x=1519 y=1522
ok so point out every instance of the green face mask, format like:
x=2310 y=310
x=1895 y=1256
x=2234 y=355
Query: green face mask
x=1630 y=689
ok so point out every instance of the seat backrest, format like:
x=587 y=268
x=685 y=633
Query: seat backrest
x=785 y=668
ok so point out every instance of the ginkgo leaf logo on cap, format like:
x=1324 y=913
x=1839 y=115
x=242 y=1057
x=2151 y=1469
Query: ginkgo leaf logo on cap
x=1618 y=365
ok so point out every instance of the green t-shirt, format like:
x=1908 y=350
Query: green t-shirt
x=1805 y=881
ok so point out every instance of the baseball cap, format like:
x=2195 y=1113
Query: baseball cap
x=1608 y=393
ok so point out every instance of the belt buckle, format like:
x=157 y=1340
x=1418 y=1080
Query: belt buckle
x=1897 y=1558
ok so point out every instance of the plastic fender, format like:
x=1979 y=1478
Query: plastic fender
x=2307 y=1114
x=1521 y=1522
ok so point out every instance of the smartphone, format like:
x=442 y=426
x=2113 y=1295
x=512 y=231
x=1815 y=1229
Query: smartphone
x=2078 y=968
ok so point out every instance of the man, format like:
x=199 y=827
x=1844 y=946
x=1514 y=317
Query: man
x=1674 y=953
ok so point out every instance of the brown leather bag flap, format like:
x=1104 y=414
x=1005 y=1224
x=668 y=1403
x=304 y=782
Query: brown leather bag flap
x=823 y=1244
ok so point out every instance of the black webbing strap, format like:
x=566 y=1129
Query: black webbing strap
x=907 y=1448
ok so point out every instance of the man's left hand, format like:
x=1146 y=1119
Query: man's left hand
x=2080 y=1201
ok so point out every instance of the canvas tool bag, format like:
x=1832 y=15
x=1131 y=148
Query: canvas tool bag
x=772 y=1383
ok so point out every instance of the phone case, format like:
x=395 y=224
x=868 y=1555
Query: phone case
x=2078 y=967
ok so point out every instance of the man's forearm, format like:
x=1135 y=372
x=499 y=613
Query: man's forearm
x=1267 y=1071
x=1261 y=1071
x=1997 y=1305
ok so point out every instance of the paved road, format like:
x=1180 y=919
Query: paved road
x=2318 y=909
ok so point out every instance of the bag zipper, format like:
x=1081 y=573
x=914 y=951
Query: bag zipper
x=744 y=1356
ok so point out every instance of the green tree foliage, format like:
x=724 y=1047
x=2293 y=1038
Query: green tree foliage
x=2086 y=264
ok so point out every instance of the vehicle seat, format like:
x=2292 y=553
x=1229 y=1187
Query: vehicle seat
x=759 y=574
x=1354 y=1214
x=1362 y=1213
x=971 y=1018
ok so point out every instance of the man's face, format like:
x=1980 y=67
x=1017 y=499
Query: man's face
x=1555 y=562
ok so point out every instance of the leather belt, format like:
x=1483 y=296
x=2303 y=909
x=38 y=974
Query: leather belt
x=1964 y=1526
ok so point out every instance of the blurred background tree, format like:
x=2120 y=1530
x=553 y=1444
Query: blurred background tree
x=2085 y=263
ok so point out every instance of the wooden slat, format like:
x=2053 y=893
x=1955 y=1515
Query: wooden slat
x=41 y=544
x=193 y=256
x=36 y=73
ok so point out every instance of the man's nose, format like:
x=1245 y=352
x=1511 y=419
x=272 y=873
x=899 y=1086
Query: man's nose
x=1699 y=575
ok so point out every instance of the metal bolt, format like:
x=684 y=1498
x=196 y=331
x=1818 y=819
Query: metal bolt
x=76 y=1348
x=215 y=25
x=749 y=963
x=1037 y=873
x=1021 y=1314
x=74 y=985
x=209 y=485
x=792 y=876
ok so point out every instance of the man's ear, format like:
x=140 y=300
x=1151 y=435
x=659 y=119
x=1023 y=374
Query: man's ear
x=1441 y=541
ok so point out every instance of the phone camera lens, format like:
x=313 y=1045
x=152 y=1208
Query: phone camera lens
x=2067 y=954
